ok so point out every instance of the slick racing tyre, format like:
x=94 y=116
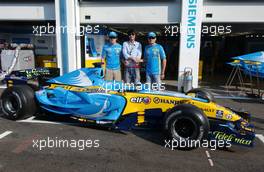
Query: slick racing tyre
x=201 y=93
x=186 y=124
x=18 y=102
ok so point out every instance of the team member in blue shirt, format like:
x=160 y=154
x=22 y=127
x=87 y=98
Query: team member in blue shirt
x=112 y=54
x=155 y=58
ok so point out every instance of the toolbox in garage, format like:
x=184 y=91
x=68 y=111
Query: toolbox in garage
x=26 y=59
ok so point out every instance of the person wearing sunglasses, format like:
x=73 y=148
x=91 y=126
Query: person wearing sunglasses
x=112 y=54
x=155 y=58
x=132 y=52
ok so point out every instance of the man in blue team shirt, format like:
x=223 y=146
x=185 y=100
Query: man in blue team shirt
x=155 y=58
x=111 y=53
x=132 y=52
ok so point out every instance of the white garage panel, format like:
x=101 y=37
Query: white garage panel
x=131 y=13
x=234 y=13
x=27 y=11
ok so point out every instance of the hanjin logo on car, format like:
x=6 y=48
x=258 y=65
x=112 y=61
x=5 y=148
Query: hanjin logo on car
x=158 y=100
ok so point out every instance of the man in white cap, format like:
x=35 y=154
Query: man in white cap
x=112 y=54
x=155 y=58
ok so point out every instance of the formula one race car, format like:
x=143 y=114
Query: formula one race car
x=84 y=95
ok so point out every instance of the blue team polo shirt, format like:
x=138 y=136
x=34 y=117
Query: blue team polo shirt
x=153 y=55
x=112 y=52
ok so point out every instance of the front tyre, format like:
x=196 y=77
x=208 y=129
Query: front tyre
x=18 y=102
x=186 y=124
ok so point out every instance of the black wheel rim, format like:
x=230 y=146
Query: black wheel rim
x=184 y=127
x=11 y=104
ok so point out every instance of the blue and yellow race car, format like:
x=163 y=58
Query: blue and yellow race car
x=84 y=95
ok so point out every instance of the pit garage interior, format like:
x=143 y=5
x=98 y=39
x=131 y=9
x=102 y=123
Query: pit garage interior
x=22 y=32
x=219 y=43
x=218 y=49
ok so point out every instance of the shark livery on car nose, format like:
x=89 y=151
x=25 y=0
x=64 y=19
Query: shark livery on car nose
x=84 y=95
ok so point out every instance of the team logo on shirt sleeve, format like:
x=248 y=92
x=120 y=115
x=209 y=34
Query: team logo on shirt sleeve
x=117 y=50
x=155 y=52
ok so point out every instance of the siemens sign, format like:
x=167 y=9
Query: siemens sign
x=191 y=29
x=192 y=23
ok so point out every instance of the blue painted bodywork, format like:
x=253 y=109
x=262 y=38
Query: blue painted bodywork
x=98 y=105
x=94 y=106
x=251 y=64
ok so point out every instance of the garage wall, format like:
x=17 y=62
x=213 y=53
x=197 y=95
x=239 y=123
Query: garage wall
x=234 y=12
x=131 y=12
x=155 y=12
x=44 y=45
x=27 y=11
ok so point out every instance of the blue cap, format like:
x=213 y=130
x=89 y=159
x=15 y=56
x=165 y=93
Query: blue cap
x=151 y=34
x=112 y=34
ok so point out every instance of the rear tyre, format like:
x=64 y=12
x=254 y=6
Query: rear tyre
x=186 y=124
x=202 y=93
x=18 y=102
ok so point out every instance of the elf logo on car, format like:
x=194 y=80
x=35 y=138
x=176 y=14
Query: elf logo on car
x=145 y=100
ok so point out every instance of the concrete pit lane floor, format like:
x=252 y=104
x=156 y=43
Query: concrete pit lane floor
x=139 y=150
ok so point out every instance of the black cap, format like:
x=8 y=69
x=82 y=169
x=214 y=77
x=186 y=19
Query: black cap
x=131 y=32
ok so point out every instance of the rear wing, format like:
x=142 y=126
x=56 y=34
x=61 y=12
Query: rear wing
x=36 y=77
